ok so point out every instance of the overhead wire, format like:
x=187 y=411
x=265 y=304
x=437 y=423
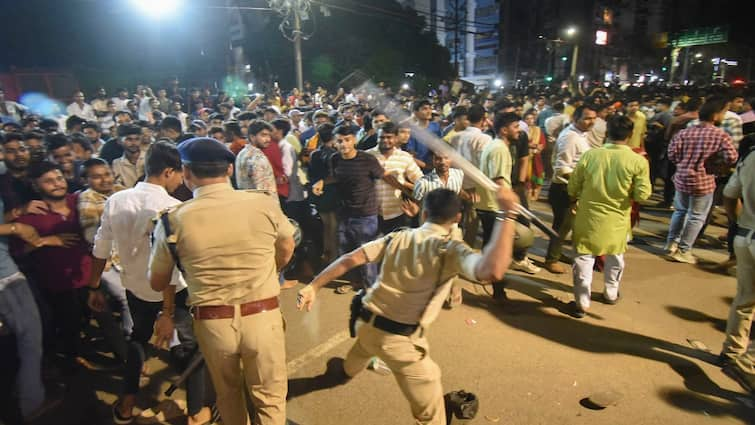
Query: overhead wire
x=406 y=19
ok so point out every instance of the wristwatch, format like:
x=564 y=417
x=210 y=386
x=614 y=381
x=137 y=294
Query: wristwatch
x=13 y=228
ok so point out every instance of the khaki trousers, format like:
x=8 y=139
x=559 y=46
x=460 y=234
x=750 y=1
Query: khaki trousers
x=247 y=350
x=743 y=306
x=417 y=375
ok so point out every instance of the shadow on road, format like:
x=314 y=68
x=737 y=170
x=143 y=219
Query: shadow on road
x=586 y=335
x=697 y=316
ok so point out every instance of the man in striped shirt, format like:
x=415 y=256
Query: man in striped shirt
x=400 y=165
x=694 y=150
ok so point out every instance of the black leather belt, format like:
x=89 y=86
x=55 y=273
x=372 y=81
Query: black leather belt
x=388 y=325
x=743 y=231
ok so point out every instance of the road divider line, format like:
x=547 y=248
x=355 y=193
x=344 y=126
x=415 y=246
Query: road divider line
x=317 y=352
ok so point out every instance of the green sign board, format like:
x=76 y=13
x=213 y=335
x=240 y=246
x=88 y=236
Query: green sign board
x=700 y=36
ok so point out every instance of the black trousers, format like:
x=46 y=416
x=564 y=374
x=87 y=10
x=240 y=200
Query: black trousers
x=68 y=314
x=558 y=197
x=145 y=314
x=392 y=224
x=487 y=220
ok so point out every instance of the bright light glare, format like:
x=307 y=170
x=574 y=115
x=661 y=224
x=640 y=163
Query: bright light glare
x=571 y=31
x=498 y=82
x=698 y=55
x=157 y=8
x=405 y=86
x=581 y=78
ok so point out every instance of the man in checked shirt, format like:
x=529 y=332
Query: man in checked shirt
x=694 y=150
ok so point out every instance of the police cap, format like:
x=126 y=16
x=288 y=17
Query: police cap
x=204 y=149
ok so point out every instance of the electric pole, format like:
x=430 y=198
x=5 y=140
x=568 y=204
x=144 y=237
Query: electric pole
x=297 y=50
x=293 y=12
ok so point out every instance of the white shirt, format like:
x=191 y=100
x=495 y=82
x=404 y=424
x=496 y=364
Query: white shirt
x=570 y=146
x=553 y=126
x=127 y=224
x=470 y=144
x=86 y=111
x=291 y=170
x=120 y=104
x=597 y=134
x=401 y=164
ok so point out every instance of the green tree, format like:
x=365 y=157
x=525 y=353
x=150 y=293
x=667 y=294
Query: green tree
x=383 y=44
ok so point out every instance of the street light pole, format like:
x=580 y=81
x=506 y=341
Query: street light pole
x=574 y=57
x=297 y=50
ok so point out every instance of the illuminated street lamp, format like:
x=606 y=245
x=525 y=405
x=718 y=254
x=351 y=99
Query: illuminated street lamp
x=571 y=32
x=157 y=8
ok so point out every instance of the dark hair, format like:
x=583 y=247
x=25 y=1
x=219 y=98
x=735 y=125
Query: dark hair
x=160 y=156
x=208 y=170
x=33 y=135
x=665 y=101
x=129 y=130
x=73 y=121
x=57 y=141
x=460 y=111
x=581 y=111
x=82 y=140
x=558 y=106
x=91 y=124
x=345 y=130
x=476 y=113
x=282 y=124
x=90 y=163
x=389 y=127
x=246 y=115
x=420 y=103
x=171 y=123
x=48 y=125
x=619 y=128
x=503 y=104
x=214 y=130
x=38 y=169
x=216 y=116
x=233 y=128
x=693 y=104
x=13 y=137
x=712 y=106
x=442 y=206
x=502 y=120
x=258 y=125
x=325 y=132
x=116 y=114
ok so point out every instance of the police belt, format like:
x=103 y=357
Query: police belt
x=743 y=231
x=210 y=312
x=386 y=324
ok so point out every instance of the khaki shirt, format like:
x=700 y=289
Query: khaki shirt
x=742 y=185
x=418 y=267
x=126 y=173
x=225 y=241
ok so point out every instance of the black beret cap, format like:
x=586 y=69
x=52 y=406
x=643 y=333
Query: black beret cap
x=204 y=149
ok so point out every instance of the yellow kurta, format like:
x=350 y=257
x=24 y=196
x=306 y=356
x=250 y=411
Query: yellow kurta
x=606 y=181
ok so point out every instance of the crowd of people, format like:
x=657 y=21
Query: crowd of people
x=82 y=241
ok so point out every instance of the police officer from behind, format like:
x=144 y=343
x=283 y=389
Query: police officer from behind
x=739 y=362
x=230 y=246
x=418 y=268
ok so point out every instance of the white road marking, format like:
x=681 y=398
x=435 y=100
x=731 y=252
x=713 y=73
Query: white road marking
x=318 y=351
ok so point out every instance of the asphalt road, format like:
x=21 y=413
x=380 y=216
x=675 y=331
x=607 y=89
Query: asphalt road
x=527 y=361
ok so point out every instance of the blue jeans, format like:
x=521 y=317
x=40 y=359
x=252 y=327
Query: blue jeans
x=20 y=313
x=354 y=232
x=689 y=216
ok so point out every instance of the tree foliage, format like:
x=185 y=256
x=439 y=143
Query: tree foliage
x=383 y=46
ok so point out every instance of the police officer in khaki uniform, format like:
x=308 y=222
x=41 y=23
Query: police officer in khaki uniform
x=230 y=245
x=418 y=268
x=738 y=360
